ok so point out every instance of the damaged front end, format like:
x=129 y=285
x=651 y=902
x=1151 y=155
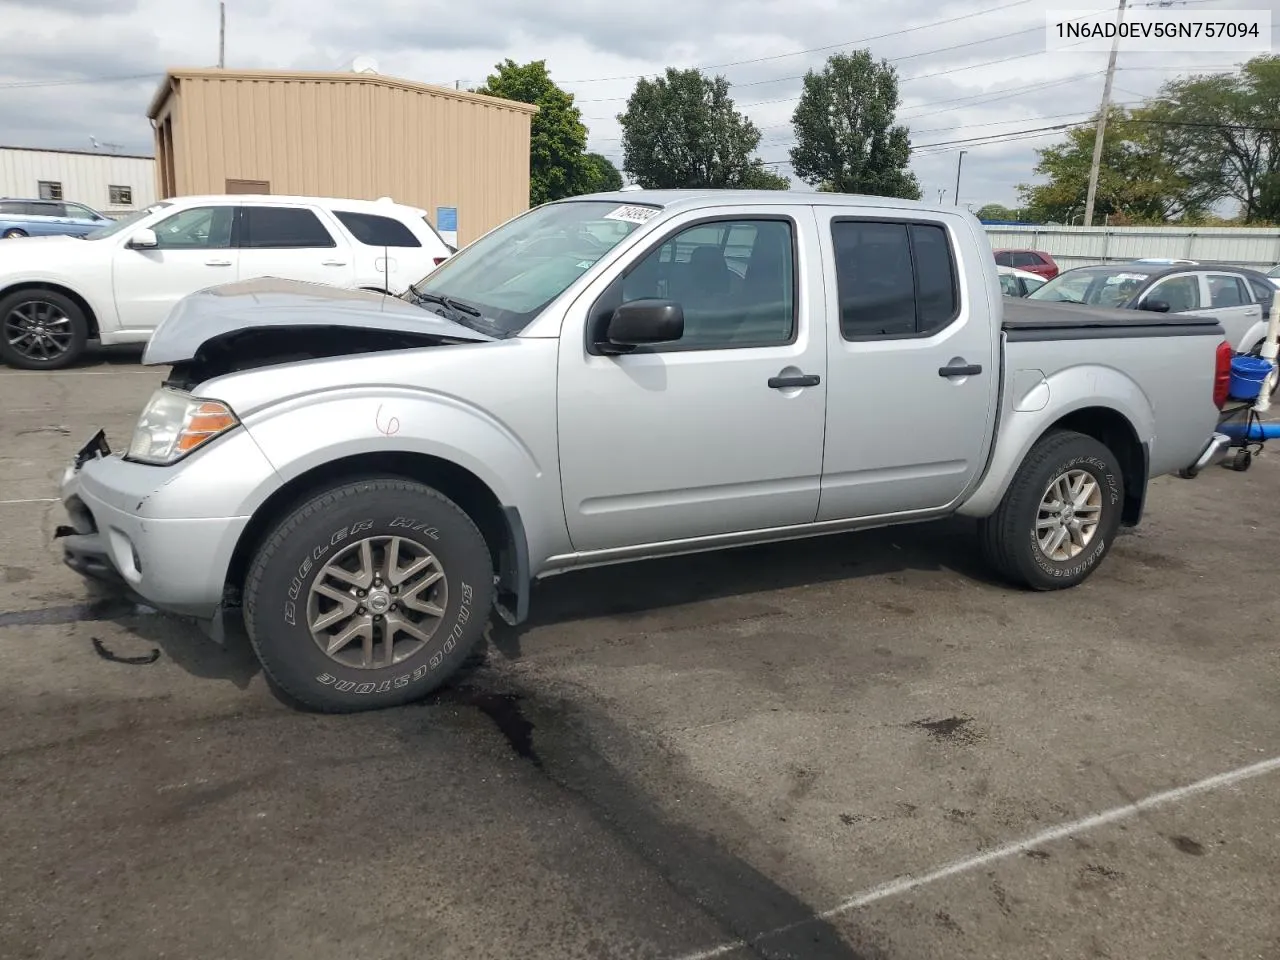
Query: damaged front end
x=268 y=322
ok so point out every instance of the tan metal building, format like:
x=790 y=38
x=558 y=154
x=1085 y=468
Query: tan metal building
x=355 y=135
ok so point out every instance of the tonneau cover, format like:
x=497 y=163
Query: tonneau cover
x=1022 y=314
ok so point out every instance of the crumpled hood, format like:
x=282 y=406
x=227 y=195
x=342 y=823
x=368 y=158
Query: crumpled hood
x=271 y=302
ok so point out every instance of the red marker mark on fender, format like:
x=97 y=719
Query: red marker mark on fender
x=390 y=428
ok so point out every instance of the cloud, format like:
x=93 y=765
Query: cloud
x=71 y=67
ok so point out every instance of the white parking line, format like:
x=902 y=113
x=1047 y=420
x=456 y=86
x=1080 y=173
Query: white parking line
x=36 y=500
x=912 y=881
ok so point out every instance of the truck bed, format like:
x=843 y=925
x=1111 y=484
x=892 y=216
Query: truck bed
x=1026 y=320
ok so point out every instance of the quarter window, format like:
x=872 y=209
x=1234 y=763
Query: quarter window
x=734 y=280
x=283 y=228
x=893 y=279
x=375 y=231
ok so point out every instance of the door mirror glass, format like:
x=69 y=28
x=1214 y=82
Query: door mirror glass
x=642 y=322
x=1155 y=306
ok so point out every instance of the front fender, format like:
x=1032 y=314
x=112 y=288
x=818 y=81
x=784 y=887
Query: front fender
x=1032 y=405
x=309 y=431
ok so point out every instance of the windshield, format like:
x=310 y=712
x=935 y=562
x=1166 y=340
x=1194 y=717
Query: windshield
x=1095 y=286
x=511 y=274
x=124 y=222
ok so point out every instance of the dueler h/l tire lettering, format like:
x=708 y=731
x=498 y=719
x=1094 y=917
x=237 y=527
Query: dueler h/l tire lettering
x=369 y=595
x=1060 y=515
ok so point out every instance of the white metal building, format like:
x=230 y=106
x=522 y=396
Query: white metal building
x=1257 y=247
x=111 y=183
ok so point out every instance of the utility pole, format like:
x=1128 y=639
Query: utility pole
x=1102 y=122
x=959 y=160
x=222 y=35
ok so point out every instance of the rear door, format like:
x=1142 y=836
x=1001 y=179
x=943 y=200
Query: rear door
x=1233 y=304
x=913 y=363
x=293 y=243
x=194 y=249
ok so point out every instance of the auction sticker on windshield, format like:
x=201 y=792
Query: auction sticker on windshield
x=632 y=214
x=1122 y=277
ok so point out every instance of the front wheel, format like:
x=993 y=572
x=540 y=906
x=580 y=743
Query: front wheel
x=13 y=233
x=369 y=595
x=41 y=330
x=1060 y=515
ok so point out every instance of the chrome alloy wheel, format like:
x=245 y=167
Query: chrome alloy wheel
x=38 y=330
x=377 y=602
x=1069 y=514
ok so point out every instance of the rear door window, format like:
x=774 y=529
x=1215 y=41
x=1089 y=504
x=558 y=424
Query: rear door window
x=1227 y=290
x=893 y=279
x=283 y=228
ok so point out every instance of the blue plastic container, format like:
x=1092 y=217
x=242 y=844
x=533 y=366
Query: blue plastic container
x=1247 y=376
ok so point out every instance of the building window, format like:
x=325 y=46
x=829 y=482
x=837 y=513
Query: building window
x=122 y=196
x=50 y=190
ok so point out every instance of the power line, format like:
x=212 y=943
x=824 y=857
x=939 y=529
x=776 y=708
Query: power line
x=832 y=46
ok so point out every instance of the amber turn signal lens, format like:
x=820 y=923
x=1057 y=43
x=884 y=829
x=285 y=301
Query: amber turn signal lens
x=206 y=422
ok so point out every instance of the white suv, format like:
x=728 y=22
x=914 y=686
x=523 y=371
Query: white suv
x=115 y=285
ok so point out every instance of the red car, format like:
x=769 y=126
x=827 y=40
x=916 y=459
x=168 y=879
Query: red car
x=1033 y=261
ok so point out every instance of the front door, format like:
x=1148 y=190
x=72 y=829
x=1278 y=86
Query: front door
x=913 y=360
x=700 y=437
x=293 y=244
x=193 y=251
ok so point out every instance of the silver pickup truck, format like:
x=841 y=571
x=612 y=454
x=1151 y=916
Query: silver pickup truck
x=365 y=478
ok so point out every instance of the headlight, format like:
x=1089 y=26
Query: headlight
x=173 y=424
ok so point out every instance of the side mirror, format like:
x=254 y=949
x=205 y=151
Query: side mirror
x=143 y=239
x=642 y=322
x=1155 y=306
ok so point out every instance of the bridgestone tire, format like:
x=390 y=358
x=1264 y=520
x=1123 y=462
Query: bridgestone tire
x=293 y=557
x=1009 y=536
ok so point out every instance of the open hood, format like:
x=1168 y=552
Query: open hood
x=264 y=321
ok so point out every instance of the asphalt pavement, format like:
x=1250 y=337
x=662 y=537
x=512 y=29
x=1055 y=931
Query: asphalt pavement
x=854 y=747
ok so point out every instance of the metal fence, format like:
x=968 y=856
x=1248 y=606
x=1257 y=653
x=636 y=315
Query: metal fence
x=1082 y=246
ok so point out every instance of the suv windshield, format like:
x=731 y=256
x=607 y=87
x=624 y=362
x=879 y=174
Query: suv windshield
x=124 y=222
x=1095 y=286
x=511 y=274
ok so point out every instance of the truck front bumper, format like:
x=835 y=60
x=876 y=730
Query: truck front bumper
x=1215 y=451
x=126 y=529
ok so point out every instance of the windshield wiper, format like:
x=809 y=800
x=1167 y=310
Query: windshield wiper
x=459 y=311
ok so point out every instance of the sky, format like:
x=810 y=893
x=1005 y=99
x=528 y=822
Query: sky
x=974 y=71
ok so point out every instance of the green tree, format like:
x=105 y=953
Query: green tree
x=557 y=135
x=682 y=130
x=846 y=137
x=996 y=211
x=1223 y=133
x=1139 y=180
x=599 y=174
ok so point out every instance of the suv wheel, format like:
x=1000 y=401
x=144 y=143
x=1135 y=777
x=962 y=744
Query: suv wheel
x=1060 y=515
x=368 y=595
x=41 y=330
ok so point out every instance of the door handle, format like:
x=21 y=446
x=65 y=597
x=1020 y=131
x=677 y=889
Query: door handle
x=217 y=263
x=961 y=370
x=335 y=263
x=802 y=380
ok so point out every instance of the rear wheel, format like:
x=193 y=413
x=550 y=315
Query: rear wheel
x=369 y=595
x=41 y=330
x=1060 y=515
